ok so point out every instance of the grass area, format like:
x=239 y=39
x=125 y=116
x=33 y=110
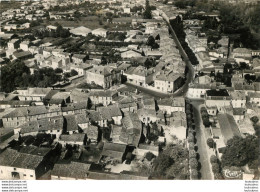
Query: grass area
x=91 y=22
x=4 y=6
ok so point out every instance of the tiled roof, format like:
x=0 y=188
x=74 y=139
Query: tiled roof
x=94 y=115
x=77 y=96
x=39 y=91
x=102 y=70
x=81 y=118
x=72 y=170
x=33 y=150
x=104 y=93
x=132 y=129
x=254 y=95
x=173 y=102
x=109 y=111
x=78 y=137
x=26 y=111
x=92 y=132
x=113 y=150
x=12 y=158
x=22 y=54
x=146 y=113
x=71 y=123
x=45 y=124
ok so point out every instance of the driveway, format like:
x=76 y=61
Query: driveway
x=206 y=173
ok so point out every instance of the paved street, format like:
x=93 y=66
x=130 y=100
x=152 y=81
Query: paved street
x=201 y=143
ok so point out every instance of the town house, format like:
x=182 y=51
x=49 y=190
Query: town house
x=104 y=76
x=16 y=165
x=105 y=97
x=21 y=115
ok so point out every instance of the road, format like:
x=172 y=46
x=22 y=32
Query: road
x=205 y=167
x=189 y=77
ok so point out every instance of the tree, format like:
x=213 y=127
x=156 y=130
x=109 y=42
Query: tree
x=148 y=63
x=190 y=138
x=73 y=72
x=172 y=163
x=162 y=163
x=240 y=151
x=178 y=172
x=210 y=142
x=58 y=70
x=149 y=156
x=152 y=137
x=150 y=41
x=191 y=145
x=147 y=13
x=11 y=76
x=215 y=168
x=194 y=174
x=213 y=159
x=192 y=154
x=218 y=176
x=254 y=119
x=193 y=163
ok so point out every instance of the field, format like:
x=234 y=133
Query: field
x=91 y=22
x=4 y=6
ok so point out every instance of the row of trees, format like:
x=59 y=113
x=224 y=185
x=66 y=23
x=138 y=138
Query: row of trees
x=177 y=26
x=205 y=117
x=193 y=156
x=216 y=167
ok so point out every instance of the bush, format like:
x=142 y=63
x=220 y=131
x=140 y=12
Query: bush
x=58 y=70
x=213 y=159
x=210 y=142
x=73 y=72
x=192 y=154
x=191 y=132
x=254 y=119
x=149 y=156
x=194 y=174
x=190 y=138
x=215 y=168
x=193 y=163
x=218 y=176
x=191 y=145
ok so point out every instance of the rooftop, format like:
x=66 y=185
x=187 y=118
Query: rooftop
x=71 y=170
x=12 y=158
